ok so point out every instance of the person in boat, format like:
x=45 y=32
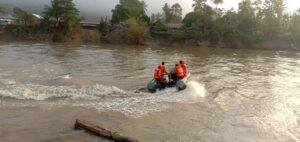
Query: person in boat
x=163 y=69
x=158 y=74
x=158 y=77
x=184 y=67
x=177 y=73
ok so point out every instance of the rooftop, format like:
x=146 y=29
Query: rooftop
x=174 y=25
x=7 y=16
x=90 y=20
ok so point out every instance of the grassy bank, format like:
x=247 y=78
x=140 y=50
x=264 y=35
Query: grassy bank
x=135 y=33
x=255 y=24
x=28 y=33
x=93 y=37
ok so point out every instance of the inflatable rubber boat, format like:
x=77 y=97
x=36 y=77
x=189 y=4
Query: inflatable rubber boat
x=180 y=84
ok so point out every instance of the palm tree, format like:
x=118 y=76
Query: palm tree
x=177 y=9
x=279 y=7
x=198 y=4
x=217 y=2
x=144 y=5
x=166 y=12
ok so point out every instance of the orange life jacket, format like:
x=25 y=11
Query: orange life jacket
x=179 y=72
x=163 y=69
x=184 y=68
x=157 y=74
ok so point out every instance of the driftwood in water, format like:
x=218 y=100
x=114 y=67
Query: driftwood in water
x=100 y=131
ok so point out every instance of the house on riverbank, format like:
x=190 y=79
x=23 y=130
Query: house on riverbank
x=7 y=19
x=90 y=23
x=161 y=28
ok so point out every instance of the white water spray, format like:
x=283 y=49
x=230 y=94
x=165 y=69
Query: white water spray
x=67 y=76
x=196 y=88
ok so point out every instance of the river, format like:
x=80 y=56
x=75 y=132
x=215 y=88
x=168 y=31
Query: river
x=238 y=95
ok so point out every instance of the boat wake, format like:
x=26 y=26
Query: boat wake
x=100 y=97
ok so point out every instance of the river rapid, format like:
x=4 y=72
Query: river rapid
x=233 y=95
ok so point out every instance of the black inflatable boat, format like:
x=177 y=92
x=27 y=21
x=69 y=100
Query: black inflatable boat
x=180 y=84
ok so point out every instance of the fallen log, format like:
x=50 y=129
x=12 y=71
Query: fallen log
x=100 y=131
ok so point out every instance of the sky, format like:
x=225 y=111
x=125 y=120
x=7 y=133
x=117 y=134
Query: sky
x=97 y=8
x=292 y=5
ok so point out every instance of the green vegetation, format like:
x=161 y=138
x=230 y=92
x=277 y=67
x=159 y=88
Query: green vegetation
x=255 y=21
x=136 y=30
x=1 y=9
x=127 y=9
x=26 y=24
x=59 y=18
x=172 y=14
x=156 y=17
x=128 y=24
x=58 y=37
x=23 y=29
x=62 y=14
x=295 y=27
x=25 y=17
x=103 y=27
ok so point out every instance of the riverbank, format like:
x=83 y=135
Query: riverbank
x=78 y=35
x=93 y=37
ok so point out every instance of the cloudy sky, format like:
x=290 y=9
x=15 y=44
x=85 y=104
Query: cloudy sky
x=97 y=8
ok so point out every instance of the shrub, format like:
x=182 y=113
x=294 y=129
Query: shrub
x=214 y=36
x=136 y=31
x=178 y=36
x=58 y=37
x=23 y=29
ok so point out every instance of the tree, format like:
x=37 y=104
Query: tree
x=227 y=26
x=136 y=7
x=295 y=27
x=103 y=27
x=63 y=13
x=199 y=4
x=156 y=17
x=167 y=12
x=24 y=16
x=217 y=2
x=176 y=11
x=1 y=9
x=247 y=24
x=217 y=10
x=202 y=21
x=120 y=13
x=279 y=7
x=127 y=9
x=173 y=13
x=136 y=31
x=272 y=20
x=190 y=19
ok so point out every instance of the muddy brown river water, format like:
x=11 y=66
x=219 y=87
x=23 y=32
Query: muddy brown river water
x=233 y=95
